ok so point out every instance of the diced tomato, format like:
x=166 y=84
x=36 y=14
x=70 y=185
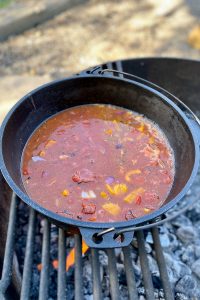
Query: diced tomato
x=88 y=208
x=84 y=175
x=76 y=177
x=138 y=200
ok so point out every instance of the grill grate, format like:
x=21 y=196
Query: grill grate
x=61 y=281
x=44 y=286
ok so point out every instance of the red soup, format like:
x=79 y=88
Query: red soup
x=98 y=163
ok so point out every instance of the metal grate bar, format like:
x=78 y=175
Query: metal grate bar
x=97 y=292
x=148 y=284
x=61 y=293
x=9 y=248
x=114 y=284
x=27 y=272
x=162 y=265
x=44 y=280
x=78 y=267
x=130 y=276
x=119 y=68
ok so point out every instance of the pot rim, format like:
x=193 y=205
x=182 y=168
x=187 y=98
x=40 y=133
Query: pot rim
x=98 y=225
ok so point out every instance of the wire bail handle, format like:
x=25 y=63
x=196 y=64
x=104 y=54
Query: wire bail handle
x=161 y=219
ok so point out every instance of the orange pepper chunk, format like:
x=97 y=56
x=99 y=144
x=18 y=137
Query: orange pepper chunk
x=132 y=196
x=108 y=131
x=147 y=210
x=42 y=153
x=92 y=219
x=151 y=140
x=141 y=127
x=112 y=208
x=132 y=172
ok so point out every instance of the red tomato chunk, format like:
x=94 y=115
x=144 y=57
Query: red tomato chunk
x=89 y=208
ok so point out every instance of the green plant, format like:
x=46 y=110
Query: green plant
x=4 y=3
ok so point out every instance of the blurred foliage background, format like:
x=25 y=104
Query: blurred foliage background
x=91 y=32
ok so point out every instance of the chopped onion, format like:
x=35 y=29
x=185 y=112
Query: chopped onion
x=88 y=195
x=110 y=179
x=37 y=158
x=92 y=194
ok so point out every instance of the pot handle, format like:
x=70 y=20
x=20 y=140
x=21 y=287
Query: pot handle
x=114 y=238
x=194 y=120
x=188 y=112
x=110 y=239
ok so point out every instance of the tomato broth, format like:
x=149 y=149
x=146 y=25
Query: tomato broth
x=98 y=163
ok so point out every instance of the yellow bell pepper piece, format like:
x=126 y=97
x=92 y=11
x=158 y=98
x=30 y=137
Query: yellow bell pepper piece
x=141 y=127
x=50 y=143
x=132 y=196
x=110 y=189
x=117 y=189
x=111 y=208
x=65 y=193
x=103 y=195
x=120 y=188
x=108 y=131
x=132 y=172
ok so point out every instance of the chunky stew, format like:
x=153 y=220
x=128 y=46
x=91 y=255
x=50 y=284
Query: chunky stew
x=98 y=163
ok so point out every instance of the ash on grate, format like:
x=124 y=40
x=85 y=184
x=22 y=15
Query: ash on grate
x=180 y=240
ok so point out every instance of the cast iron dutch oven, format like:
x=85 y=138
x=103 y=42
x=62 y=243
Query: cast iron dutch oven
x=134 y=94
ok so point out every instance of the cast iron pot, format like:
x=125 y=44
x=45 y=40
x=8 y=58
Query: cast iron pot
x=138 y=95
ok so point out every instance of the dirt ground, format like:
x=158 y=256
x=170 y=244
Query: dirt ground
x=93 y=33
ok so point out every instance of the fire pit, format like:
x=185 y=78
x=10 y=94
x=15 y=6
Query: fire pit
x=45 y=253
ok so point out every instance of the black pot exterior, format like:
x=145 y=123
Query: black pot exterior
x=51 y=98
